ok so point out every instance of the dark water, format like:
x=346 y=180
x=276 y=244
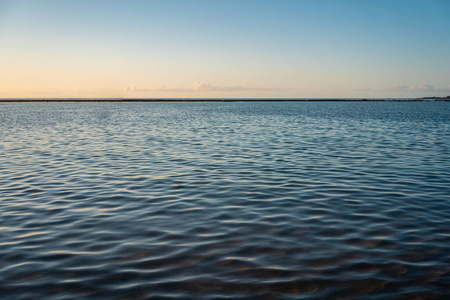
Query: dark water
x=225 y=201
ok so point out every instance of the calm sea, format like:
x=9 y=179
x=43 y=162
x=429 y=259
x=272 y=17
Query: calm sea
x=309 y=200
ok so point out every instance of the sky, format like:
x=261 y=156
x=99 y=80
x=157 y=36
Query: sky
x=224 y=48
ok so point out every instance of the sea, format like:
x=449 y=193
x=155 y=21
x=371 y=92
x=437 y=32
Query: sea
x=245 y=200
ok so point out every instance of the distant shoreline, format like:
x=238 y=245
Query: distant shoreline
x=446 y=99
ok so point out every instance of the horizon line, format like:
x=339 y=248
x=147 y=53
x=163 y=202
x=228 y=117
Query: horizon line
x=91 y=99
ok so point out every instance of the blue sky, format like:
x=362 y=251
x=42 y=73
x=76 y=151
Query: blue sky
x=192 y=49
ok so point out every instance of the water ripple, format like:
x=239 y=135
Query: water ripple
x=225 y=200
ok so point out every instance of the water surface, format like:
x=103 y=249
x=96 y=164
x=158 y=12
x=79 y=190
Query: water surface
x=225 y=200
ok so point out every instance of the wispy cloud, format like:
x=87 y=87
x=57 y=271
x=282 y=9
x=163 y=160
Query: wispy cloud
x=205 y=86
x=202 y=86
x=398 y=88
x=424 y=87
x=133 y=88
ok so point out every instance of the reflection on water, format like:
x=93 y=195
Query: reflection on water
x=225 y=200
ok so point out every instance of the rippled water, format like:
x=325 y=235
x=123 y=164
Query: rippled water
x=225 y=200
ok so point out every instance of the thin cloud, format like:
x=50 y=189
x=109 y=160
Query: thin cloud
x=133 y=88
x=398 y=88
x=205 y=86
x=202 y=86
x=424 y=87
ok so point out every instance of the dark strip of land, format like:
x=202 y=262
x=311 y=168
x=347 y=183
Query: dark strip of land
x=223 y=100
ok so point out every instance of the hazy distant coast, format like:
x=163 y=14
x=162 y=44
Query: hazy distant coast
x=424 y=99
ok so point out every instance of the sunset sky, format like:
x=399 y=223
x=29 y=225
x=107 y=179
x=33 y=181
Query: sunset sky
x=224 y=49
